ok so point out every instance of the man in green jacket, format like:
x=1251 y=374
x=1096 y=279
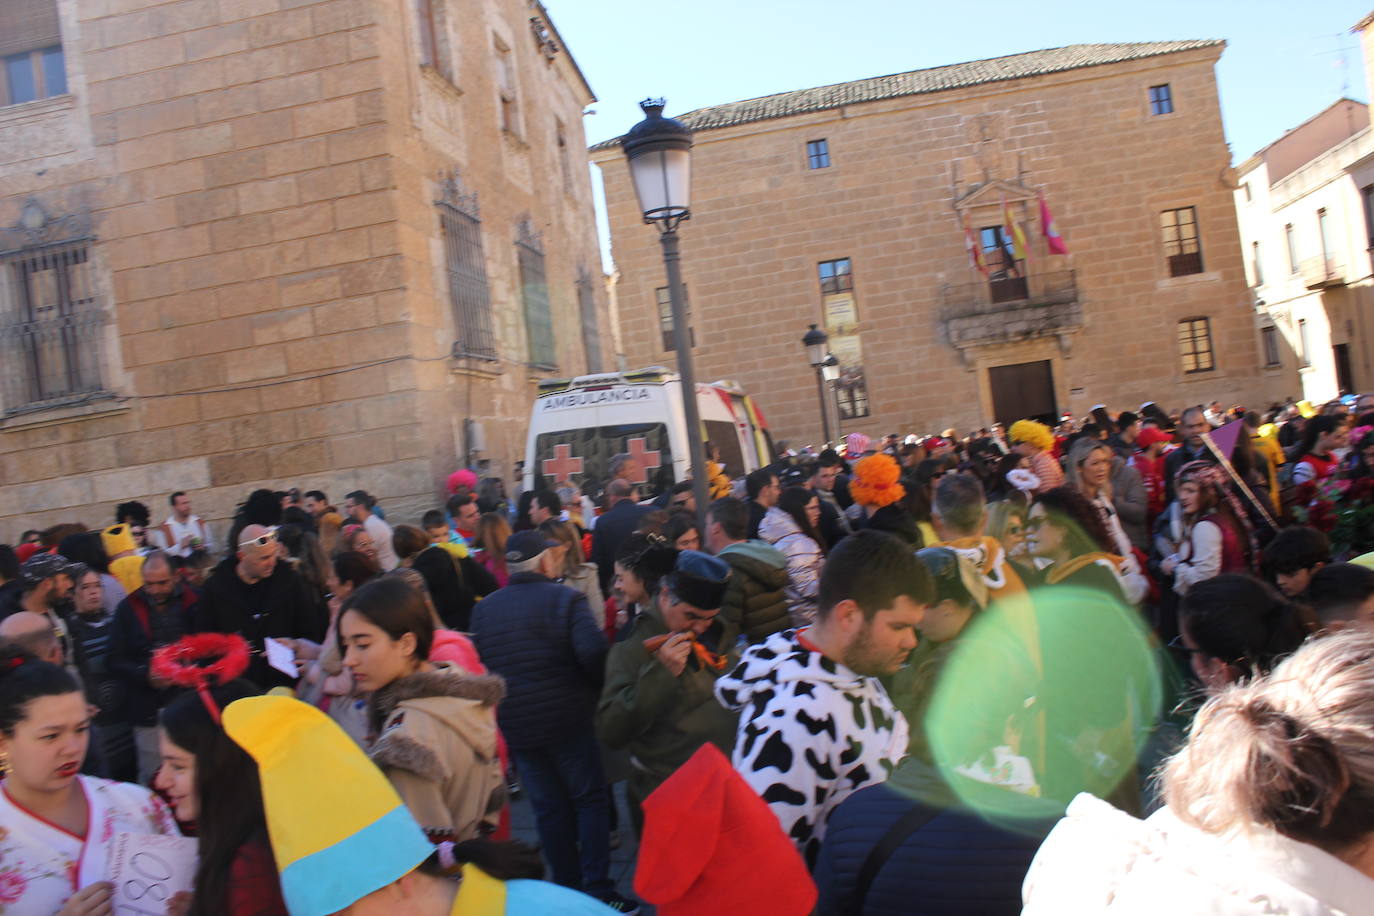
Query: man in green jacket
x=754 y=603
x=659 y=700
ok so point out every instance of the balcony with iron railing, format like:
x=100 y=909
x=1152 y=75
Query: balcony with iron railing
x=1011 y=308
x=1322 y=272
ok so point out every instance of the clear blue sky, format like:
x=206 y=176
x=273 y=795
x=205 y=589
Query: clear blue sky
x=1280 y=67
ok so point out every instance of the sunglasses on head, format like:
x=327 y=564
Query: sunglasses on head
x=261 y=540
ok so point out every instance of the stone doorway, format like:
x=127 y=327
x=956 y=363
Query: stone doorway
x=1023 y=390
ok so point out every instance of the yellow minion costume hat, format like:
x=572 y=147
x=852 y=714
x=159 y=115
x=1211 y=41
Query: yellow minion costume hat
x=339 y=830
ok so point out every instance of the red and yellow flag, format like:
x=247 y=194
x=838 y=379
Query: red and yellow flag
x=1020 y=250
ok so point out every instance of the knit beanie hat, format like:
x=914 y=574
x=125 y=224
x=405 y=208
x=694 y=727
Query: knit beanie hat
x=117 y=539
x=339 y=830
x=713 y=847
x=700 y=579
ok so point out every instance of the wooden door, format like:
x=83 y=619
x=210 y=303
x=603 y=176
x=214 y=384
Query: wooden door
x=1023 y=390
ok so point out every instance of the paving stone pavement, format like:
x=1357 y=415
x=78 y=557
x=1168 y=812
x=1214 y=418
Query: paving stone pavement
x=622 y=859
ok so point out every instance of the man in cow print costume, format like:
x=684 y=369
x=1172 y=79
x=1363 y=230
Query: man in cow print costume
x=815 y=723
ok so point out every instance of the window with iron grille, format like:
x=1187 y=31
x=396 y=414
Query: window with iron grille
x=534 y=293
x=31 y=60
x=1181 y=245
x=835 y=276
x=1161 y=99
x=586 y=306
x=1195 y=344
x=466 y=264
x=51 y=328
x=1269 y=336
x=665 y=317
x=818 y=154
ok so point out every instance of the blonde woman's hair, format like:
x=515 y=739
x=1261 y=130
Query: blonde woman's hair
x=1293 y=751
x=1078 y=453
x=1000 y=514
x=565 y=533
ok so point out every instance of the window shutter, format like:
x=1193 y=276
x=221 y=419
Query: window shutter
x=28 y=24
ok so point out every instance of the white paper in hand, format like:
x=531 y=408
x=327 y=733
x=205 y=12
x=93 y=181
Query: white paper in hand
x=148 y=870
x=282 y=658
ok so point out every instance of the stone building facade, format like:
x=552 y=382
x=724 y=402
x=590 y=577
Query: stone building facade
x=1304 y=207
x=847 y=206
x=329 y=244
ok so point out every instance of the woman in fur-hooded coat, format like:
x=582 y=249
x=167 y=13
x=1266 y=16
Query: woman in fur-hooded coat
x=436 y=741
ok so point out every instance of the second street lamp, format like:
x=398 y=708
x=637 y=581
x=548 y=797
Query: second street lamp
x=815 y=341
x=660 y=158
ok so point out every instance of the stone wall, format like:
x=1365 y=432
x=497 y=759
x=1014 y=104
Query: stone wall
x=761 y=221
x=262 y=177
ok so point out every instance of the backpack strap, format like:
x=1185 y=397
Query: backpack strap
x=896 y=835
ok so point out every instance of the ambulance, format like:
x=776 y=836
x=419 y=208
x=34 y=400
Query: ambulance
x=579 y=424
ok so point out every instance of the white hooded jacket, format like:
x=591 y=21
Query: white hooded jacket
x=811 y=732
x=1101 y=860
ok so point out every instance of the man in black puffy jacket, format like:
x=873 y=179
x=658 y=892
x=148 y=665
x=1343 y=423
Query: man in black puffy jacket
x=541 y=637
x=754 y=602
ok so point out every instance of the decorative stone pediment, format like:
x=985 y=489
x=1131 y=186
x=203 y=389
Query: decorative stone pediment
x=992 y=193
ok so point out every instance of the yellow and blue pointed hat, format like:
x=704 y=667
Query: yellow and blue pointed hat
x=339 y=831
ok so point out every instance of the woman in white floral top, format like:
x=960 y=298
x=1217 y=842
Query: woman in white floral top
x=56 y=826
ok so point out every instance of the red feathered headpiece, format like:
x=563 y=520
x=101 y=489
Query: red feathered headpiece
x=202 y=661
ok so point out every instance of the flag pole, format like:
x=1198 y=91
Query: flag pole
x=1249 y=494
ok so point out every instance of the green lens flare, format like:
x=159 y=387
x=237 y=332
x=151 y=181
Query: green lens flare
x=1046 y=699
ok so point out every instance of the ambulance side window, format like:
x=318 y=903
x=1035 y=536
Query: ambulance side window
x=722 y=435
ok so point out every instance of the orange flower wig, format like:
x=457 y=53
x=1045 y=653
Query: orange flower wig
x=875 y=481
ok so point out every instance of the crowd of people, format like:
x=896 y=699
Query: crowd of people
x=1115 y=663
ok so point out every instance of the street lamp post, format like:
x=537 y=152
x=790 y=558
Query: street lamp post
x=659 y=153
x=815 y=341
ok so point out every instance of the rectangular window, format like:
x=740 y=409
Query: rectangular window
x=51 y=328
x=1005 y=280
x=1324 y=231
x=586 y=307
x=506 y=89
x=1270 y=338
x=1291 y=243
x=1181 y=245
x=818 y=154
x=1246 y=188
x=836 y=276
x=1195 y=344
x=32 y=75
x=1255 y=263
x=434 y=44
x=564 y=160
x=1161 y=99
x=851 y=395
x=1303 y=348
x=665 y=317
x=467 y=282
x=534 y=293
x=31 y=61
x=1367 y=197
